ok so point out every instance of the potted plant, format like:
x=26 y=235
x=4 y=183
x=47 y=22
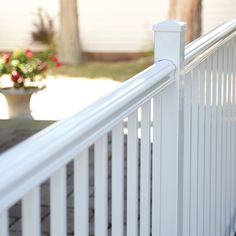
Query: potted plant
x=21 y=74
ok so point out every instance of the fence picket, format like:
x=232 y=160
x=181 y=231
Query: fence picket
x=58 y=224
x=201 y=150
x=232 y=120
x=234 y=131
x=4 y=223
x=145 y=179
x=228 y=147
x=213 y=147
x=207 y=149
x=81 y=194
x=118 y=180
x=156 y=166
x=219 y=145
x=31 y=213
x=187 y=154
x=132 y=175
x=101 y=175
x=224 y=142
x=231 y=206
x=194 y=152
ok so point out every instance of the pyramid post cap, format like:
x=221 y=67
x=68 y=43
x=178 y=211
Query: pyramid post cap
x=170 y=26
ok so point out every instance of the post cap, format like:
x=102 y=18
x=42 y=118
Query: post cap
x=170 y=26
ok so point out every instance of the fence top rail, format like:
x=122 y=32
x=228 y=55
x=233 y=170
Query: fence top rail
x=34 y=160
x=211 y=41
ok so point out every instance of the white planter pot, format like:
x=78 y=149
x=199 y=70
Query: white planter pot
x=18 y=102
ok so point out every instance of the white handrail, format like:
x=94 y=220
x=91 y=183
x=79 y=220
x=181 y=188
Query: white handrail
x=208 y=41
x=34 y=160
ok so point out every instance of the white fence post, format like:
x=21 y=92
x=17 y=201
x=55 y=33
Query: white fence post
x=169 y=45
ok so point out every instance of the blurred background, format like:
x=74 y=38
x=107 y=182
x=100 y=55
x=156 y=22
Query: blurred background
x=106 y=40
x=108 y=29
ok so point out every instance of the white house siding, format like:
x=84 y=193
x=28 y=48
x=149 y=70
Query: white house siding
x=119 y=25
x=16 y=21
x=216 y=12
x=105 y=25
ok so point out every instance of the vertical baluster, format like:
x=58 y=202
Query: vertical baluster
x=207 y=164
x=187 y=154
x=101 y=182
x=156 y=166
x=224 y=143
x=228 y=130
x=213 y=147
x=118 y=180
x=234 y=128
x=201 y=150
x=194 y=152
x=58 y=203
x=31 y=213
x=4 y=223
x=231 y=134
x=218 y=224
x=145 y=179
x=132 y=176
x=81 y=194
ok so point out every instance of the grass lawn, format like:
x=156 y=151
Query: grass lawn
x=119 y=71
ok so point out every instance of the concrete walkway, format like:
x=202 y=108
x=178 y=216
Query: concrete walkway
x=64 y=97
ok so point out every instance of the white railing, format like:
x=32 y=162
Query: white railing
x=209 y=134
x=156 y=157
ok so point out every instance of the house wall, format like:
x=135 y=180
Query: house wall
x=216 y=12
x=16 y=21
x=119 y=25
x=110 y=26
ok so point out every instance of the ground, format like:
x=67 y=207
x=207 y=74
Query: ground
x=119 y=71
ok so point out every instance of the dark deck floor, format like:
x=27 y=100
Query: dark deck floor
x=15 y=131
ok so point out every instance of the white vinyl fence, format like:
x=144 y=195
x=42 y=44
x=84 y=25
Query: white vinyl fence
x=155 y=157
x=209 y=134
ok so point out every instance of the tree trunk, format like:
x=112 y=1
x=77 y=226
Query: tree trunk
x=69 y=47
x=189 y=11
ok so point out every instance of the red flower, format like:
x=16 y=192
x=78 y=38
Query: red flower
x=58 y=64
x=6 y=57
x=15 y=75
x=28 y=53
x=56 y=61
